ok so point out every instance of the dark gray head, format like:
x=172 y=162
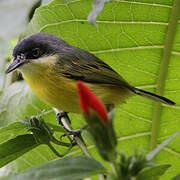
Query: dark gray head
x=34 y=47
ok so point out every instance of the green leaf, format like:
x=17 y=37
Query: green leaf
x=12 y=130
x=63 y=169
x=12 y=149
x=152 y=173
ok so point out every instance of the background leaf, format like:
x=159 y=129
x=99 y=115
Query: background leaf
x=12 y=130
x=64 y=169
x=15 y=100
x=19 y=9
x=151 y=173
x=130 y=38
x=16 y=147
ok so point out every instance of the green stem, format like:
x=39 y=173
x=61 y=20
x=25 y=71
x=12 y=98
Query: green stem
x=173 y=21
x=55 y=141
x=116 y=170
x=54 y=150
x=57 y=153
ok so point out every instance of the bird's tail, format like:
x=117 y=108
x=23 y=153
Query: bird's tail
x=153 y=97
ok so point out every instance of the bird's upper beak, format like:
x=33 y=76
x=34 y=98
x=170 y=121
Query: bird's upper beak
x=15 y=63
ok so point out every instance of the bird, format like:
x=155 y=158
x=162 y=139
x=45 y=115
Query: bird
x=52 y=68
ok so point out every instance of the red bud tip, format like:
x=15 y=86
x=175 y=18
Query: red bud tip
x=88 y=100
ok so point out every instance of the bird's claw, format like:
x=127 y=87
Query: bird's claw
x=60 y=115
x=75 y=133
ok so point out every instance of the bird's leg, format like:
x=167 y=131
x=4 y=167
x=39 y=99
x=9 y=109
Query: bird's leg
x=77 y=132
x=60 y=115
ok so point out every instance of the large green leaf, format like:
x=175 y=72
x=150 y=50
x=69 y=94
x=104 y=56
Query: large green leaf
x=130 y=37
x=63 y=169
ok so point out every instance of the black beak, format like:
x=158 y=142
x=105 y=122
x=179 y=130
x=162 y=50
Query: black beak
x=15 y=64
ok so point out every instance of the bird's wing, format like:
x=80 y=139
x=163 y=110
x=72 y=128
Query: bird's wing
x=77 y=64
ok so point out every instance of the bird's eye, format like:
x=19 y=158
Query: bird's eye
x=36 y=52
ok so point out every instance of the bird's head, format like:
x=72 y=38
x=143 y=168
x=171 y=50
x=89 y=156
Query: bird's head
x=33 y=49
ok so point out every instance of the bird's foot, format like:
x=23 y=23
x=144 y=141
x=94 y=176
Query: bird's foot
x=60 y=115
x=75 y=133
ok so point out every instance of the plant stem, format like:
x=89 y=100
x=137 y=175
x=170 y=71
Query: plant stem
x=116 y=170
x=54 y=150
x=57 y=153
x=173 y=21
x=55 y=141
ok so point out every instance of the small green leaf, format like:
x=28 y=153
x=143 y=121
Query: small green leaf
x=16 y=147
x=12 y=130
x=152 y=172
x=63 y=169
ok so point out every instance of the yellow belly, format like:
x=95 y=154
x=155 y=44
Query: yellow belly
x=58 y=92
x=61 y=93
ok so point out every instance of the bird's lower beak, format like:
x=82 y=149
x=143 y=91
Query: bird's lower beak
x=14 y=65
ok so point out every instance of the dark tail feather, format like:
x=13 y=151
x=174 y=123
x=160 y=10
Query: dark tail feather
x=153 y=97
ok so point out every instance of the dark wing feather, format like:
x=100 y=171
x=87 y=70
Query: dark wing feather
x=81 y=65
x=77 y=64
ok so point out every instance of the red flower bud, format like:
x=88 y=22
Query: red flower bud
x=89 y=100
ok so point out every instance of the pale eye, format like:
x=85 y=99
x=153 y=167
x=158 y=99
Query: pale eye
x=36 y=52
